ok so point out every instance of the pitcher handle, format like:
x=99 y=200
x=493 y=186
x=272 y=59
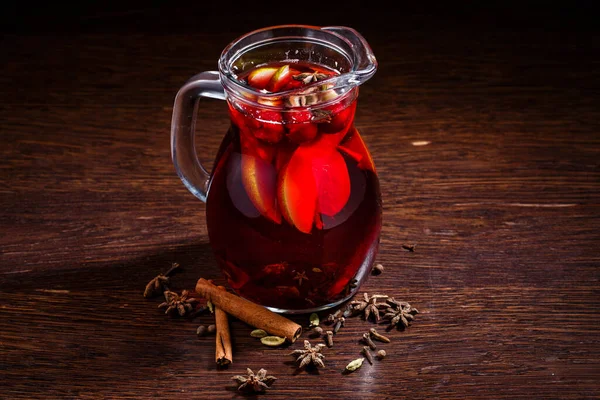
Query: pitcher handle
x=183 y=127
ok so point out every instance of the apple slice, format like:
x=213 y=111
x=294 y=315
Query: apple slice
x=297 y=192
x=355 y=147
x=333 y=183
x=279 y=79
x=260 y=77
x=260 y=182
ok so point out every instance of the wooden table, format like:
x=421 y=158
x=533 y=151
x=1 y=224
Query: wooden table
x=484 y=128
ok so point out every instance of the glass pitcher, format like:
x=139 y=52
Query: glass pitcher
x=293 y=205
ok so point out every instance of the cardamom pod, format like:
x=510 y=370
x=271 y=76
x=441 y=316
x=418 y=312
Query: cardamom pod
x=258 y=333
x=272 y=341
x=354 y=365
x=314 y=320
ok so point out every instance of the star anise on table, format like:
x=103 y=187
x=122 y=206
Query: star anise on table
x=399 y=313
x=309 y=355
x=254 y=382
x=158 y=284
x=182 y=304
x=368 y=306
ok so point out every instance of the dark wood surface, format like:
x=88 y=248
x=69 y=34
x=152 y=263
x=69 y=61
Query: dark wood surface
x=502 y=202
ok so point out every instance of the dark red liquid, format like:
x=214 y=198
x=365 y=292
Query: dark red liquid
x=294 y=207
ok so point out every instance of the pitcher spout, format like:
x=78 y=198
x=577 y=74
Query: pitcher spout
x=364 y=63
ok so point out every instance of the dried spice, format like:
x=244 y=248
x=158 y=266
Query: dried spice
x=309 y=77
x=409 y=247
x=354 y=365
x=329 y=338
x=378 y=269
x=377 y=336
x=212 y=329
x=159 y=283
x=210 y=306
x=367 y=353
x=368 y=306
x=314 y=320
x=201 y=331
x=181 y=304
x=367 y=339
x=399 y=313
x=254 y=383
x=253 y=314
x=381 y=354
x=258 y=333
x=337 y=319
x=300 y=276
x=316 y=331
x=272 y=341
x=309 y=355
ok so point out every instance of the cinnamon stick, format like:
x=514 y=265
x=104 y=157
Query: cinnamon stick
x=251 y=313
x=223 y=354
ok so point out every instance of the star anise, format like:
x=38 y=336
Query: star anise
x=254 y=383
x=157 y=285
x=309 y=355
x=308 y=77
x=300 y=276
x=368 y=306
x=399 y=313
x=182 y=304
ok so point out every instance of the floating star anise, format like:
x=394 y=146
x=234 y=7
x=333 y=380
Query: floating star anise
x=254 y=383
x=157 y=285
x=309 y=355
x=368 y=306
x=399 y=313
x=308 y=77
x=300 y=276
x=182 y=304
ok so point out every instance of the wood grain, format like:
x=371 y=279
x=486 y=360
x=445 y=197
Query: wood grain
x=484 y=129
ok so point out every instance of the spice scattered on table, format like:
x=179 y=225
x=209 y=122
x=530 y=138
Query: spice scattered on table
x=329 y=338
x=377 y=336
x=272 y=341
x=354 y=365
x=316 y=332
x=399 y=313
x=377 y=269
x=253 y=314
x=254 y=383
x=159 y=283
x=409 y=247
x=368 y=306
x=366 y=338
x=381 y=354
x=258 y=333
x=309 y=355
x=224 y=351
x=367 y=353
x=178 y=303
x=313 y=320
